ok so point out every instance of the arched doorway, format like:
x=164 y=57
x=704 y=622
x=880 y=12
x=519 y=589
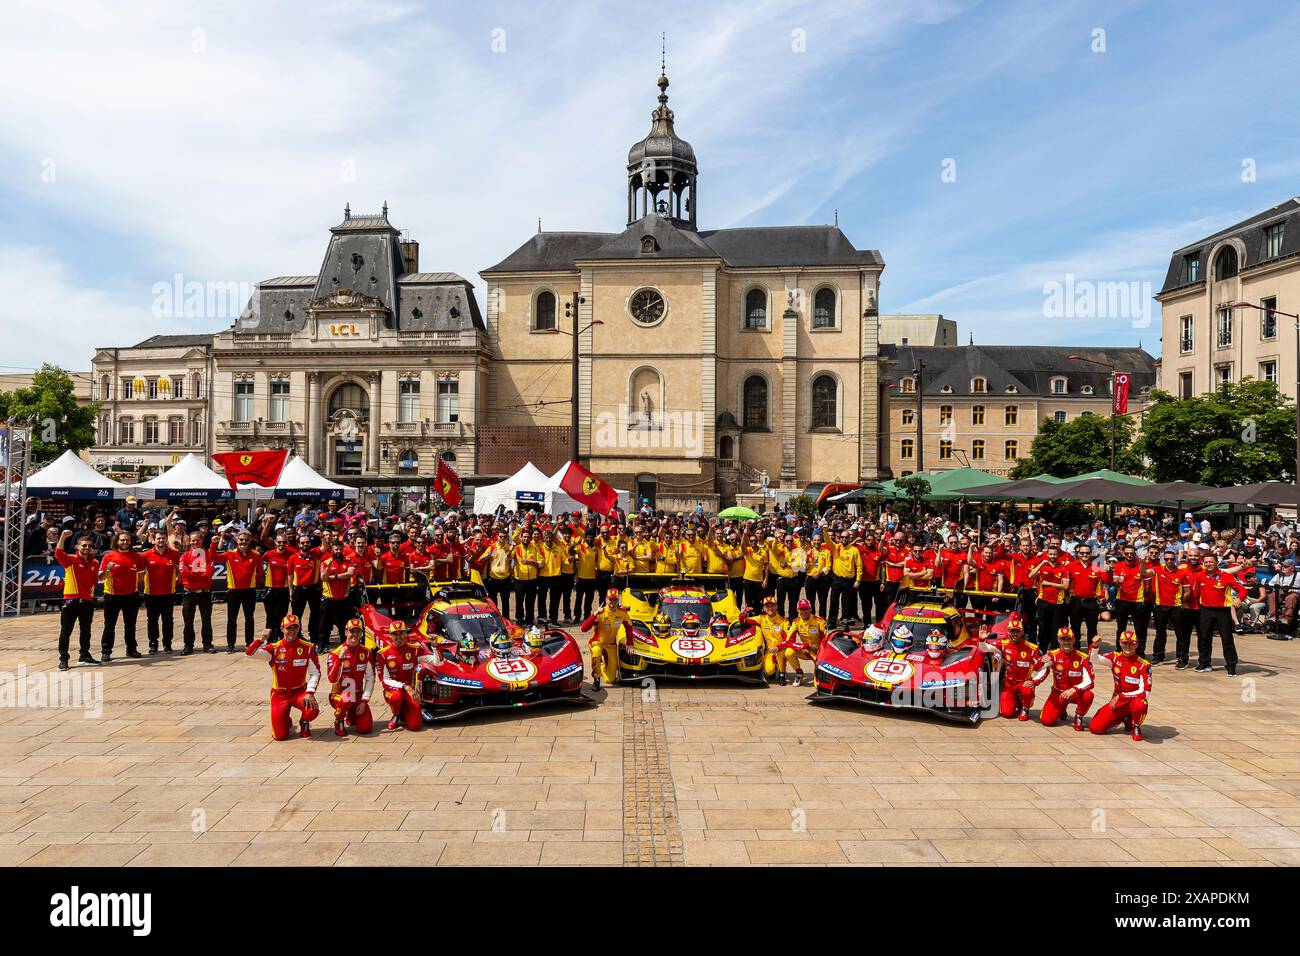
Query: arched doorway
x=346 y=420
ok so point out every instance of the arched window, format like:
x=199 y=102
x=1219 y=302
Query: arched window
x=756 y=309
x=825 y=403
x=449 y=457
x=1225 y=264
x=907 y=449
x=408 y=462
x=544 y=314
x=352 y=397
x=824 y=309
x=726 y=448
x=979 y=385
x=754 y=413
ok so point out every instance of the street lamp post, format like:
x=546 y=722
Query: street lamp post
x=919 y=372
x=1107 y=365
x=571 y=310
x=1296 y=320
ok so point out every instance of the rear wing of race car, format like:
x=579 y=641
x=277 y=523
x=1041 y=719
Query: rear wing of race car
x=457 y=590
x=646 y=587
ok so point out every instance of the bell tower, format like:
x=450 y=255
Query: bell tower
x=661 y=169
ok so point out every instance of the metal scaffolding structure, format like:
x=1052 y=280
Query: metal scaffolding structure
x=15 y=460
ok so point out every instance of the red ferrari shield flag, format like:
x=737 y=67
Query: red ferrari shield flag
x=1121 y=393
x=584 y=487
x=253 y=467
x=448 y=483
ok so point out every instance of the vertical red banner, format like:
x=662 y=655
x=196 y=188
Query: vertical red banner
x=1121 y=393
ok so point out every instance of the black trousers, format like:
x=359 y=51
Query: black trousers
x=819 y=593
x=1137 y=613
x=1051 y=618
x=1216 y=619
x=200 y=601
x=1166 y=619
x=1027 y=605
x=586 y=598
x=787 y=595
x=526 y=601
x=554 y=590
x=566 y=595
x=498 y=590
x=237 y=600
x=1084 y=611
x=159 y=609
x=335 y=612
x=844 y=598
x=754 y=595
x=737 y=586
x=76 y=613
x=604 y=581
x=306 y=596
x=276 y=606
x=128 y=607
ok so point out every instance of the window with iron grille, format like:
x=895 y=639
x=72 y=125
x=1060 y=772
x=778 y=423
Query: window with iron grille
x=754 y=414
x=1225 y=328
x=1185 y=340
x=756 y=309
x=1268 y=318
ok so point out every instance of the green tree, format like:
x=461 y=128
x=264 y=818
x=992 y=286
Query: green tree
x=1075 y=447
x=804 y=507
x=1241 y=433
x=58 y=422
x=915 y=487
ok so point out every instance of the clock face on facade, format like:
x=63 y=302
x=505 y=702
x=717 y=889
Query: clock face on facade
x=647 y=306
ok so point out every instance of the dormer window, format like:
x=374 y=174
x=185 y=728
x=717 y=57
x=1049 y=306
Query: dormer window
x=1086 y=390
x=1225 y=264
x=979 y=386
x=1060 y=386
x=907 y=385
x=947 y=390
x=1011 y=389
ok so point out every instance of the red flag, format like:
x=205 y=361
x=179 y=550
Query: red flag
x=1121 y=393
x=253 y=467
x=584 y=487
x=448 y=483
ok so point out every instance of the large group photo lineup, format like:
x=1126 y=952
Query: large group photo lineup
x=566 y=482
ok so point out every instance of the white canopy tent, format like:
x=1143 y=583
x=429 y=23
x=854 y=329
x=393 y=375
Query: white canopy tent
x=189 y=478
x=70 y=477
x=531 y=486
x=298 y=480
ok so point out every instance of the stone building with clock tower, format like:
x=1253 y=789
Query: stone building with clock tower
x=707 y=359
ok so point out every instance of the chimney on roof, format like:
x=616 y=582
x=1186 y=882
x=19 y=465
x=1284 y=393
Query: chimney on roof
x=410 y=255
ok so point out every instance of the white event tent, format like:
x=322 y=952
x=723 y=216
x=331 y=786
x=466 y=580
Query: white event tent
x=531 y=486
x=189 y=478
x=70 y=477
x=298 y=480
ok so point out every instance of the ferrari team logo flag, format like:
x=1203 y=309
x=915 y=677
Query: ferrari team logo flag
x=253 y=467
x=585 y=488
x=1121 y=393
x=448 y=483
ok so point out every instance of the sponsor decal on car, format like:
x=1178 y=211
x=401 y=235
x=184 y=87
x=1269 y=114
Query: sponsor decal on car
x=839 y=672
x=942 y=682
x=459 y=681
x=564 y=672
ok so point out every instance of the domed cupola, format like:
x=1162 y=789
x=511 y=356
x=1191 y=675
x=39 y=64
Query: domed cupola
x=661 y=169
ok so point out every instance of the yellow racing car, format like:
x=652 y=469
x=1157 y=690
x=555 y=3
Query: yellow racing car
x=688 y=627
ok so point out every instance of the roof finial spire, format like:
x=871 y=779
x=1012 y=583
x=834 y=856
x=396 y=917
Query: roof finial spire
x=347 y=211
x=837 y=217
x=663 y=54
x=385 y=210
x=539 y=224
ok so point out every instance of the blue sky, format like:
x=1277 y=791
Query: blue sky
x=217 y=141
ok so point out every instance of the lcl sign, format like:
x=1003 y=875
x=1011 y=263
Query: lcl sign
x=343 y=330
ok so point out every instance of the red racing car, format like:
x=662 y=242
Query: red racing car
x=929 y=657
x=484 y=661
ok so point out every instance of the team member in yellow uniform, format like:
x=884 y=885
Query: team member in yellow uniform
x=643 y=553
x=817 y=580
x=771 y=625
x=781 y=557
x=666 y=554
x=694 y=552
x=606 y=547
x=611 y=623
x=585 y=554
x=756 y=558
x=624 y=564
x=725 y=556
x=846 y=568
x=804 y=638
x=525 y=562
x=499 y=583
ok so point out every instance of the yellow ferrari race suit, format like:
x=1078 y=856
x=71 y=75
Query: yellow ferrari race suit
x=609 y=625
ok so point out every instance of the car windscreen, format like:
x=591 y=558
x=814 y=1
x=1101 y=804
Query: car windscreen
x=920 y=630
x=480 y=625
x=675 y=608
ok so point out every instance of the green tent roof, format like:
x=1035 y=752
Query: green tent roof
x=1102 y=473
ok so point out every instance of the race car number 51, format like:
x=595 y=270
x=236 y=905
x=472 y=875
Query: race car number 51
x=693 y=647
x=512 y=670
x=889 y=672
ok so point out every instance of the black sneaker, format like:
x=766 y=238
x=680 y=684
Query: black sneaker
x=87 y=659
x=153 y=649
x=186 y=652
x=1231 y=673
x=1203 y=668
x=1181 y=666
x=105 y=657
x=63 y=665
x=1157 y=660
x=209 y=649
x=134 y=655
x=230 y=648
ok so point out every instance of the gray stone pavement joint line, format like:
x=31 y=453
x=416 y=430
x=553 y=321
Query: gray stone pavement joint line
x=652 y=834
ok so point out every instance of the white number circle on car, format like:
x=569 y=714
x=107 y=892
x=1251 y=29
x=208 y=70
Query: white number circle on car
x=889 y=672
x=693 y=647
x=512 y=670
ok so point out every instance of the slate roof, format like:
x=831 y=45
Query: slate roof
x=1030 y=368
x=364 y=255
x=1251 y=232
x=174 y=341
x=747 y=247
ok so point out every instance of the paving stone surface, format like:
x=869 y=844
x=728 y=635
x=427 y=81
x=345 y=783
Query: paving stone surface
x=168 y=761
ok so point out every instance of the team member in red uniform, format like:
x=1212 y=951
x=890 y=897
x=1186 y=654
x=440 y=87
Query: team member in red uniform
x=392 y=563
x=398 y=666
x=950 y=566
x=336 y=576
x=195 y=569
x=304 y=585
x=277 y=570
x=1020 y=578
x=1132 y=677
x=350 y=669
x=871 y=589
x=1051 y=575
x=1071 y=672
x=362 y=557
x=120 y=571
x=1130 y=577
x=80 y=573
x=1019 y=659
x=1087 y=584
x=1170 y=584
x=986 y=572
x=295 y=672
x=1215 y=591
x=895 y=553
x=918 y=574
x=160 y=563
x=243 y=571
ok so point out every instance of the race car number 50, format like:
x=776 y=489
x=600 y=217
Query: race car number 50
x=889 y=672
x=692 y=647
